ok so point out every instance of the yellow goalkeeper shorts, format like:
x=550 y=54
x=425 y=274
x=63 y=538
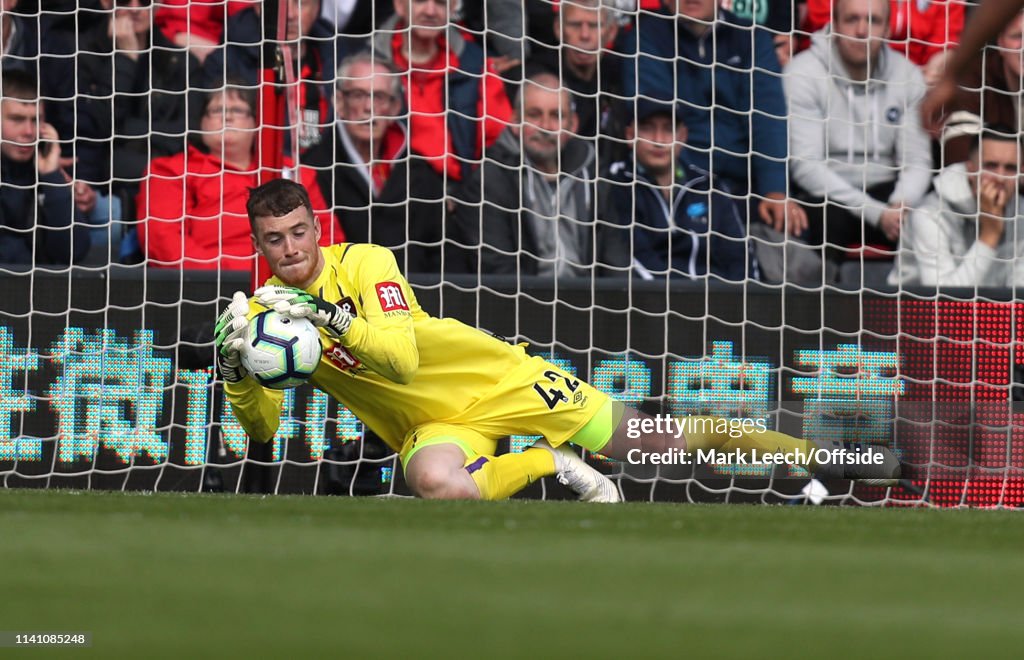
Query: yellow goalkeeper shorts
x=535 y=398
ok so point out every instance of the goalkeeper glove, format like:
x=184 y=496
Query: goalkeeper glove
x=229 y=336
x=299 y=304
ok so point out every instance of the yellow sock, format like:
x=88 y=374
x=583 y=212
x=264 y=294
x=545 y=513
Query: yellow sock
x=715 y=435
x=499 y=477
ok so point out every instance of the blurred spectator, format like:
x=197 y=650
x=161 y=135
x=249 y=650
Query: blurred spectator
x=365 y=173
x=781 y=17
x=774 y=15
x=19 y=37
x=536 y=215
x=586 y=30
x=133 y=95
x=197 y=25
x=500 y=24
x=39 y=223
x=987 y=19
x=990 y=90
x=192 y=205
x=681 y=225
x=315 y=50
x=356 y=18
x=36 y=43
x=924 y=31
x=729 y=81
x=968 y=230
x=456 y=100
x=538 y=22
x=859 y=154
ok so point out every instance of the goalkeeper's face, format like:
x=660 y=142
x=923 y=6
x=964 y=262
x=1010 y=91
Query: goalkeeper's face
x=290 y=244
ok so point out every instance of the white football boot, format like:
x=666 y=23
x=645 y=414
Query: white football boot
x=574 y=473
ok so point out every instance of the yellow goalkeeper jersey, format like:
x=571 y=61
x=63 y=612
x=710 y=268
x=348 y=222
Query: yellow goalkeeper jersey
x=397 y=367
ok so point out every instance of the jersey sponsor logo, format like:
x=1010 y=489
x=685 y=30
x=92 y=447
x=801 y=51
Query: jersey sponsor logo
x=348 y=306
x=391 y=297
x=340 y=357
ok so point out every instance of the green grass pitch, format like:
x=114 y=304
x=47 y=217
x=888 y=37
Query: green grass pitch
x=239 y=576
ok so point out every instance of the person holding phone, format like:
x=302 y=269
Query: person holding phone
x=39 y=221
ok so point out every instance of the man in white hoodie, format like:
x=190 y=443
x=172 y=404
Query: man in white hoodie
x=967 y=232
x=859 y=155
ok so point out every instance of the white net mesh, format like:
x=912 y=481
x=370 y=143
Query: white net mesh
x=563 y=218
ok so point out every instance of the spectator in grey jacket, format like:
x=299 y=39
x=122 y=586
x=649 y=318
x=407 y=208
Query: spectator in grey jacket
x=859 y=155
x=537 y=213
x=968 y=231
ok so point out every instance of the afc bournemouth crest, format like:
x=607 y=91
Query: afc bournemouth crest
x=338 y=355
x=348 y=306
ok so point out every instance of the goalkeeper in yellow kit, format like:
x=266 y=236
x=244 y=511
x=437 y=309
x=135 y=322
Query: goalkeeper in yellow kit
x=439 y=392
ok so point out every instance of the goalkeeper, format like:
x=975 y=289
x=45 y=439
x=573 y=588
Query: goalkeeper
x=437 y=391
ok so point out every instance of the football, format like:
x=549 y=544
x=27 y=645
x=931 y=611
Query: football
x=281 y=352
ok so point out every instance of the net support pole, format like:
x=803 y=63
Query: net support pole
x=272 y=109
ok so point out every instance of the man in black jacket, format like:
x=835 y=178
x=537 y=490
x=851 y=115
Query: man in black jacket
x=535 y=212
x=379 y=194
x=684 y=223
x=135 y=89
x=37 y=210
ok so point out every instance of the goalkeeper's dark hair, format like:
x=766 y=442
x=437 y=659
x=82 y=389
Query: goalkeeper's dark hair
x=18 y=85
x=277 y=197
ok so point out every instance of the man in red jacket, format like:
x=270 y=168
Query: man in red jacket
x=456 y=100
x=192 y=205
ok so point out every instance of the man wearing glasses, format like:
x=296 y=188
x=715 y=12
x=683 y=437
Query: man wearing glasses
x=315 y=50
x=362 y=165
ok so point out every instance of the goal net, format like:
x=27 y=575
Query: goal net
x=541 y=228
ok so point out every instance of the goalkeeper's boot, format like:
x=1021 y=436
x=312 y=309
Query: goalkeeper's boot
x=873 y=465
x=574 y=473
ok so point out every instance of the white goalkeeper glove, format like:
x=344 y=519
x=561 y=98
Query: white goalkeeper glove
x=299 y=304
x=229 y=336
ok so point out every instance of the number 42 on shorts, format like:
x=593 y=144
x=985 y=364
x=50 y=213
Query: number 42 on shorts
x=555 y=393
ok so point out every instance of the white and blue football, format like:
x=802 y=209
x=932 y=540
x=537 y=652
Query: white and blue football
x=282 y=352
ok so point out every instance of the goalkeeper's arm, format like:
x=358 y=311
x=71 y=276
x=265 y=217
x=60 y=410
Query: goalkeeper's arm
x=385 y=339
x=257 y=408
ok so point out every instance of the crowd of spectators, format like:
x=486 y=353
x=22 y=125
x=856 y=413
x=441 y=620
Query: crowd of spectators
x=728 y=140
